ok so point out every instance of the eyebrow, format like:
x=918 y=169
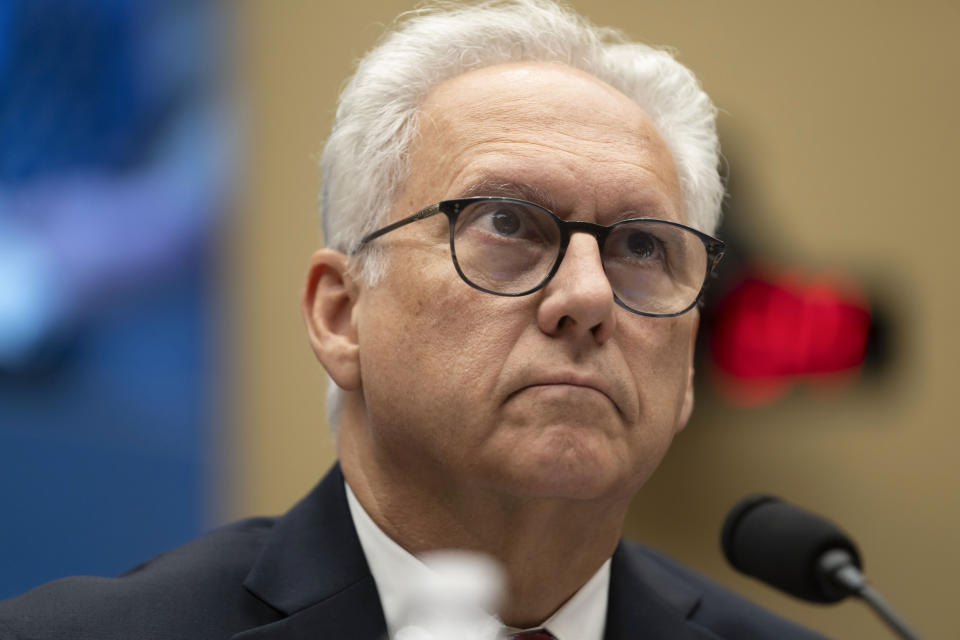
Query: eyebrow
x=493 y=186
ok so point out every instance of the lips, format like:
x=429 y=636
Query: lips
x=568 y=379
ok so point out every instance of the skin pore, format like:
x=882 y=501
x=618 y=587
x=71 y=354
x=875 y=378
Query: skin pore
x=519 y=427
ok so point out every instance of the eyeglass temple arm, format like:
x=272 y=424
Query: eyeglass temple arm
x=432 y=210
x=715 y=251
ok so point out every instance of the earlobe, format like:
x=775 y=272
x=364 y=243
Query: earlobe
x=329 y=297
x=686 y=410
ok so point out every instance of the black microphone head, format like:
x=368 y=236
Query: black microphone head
x=782 y=545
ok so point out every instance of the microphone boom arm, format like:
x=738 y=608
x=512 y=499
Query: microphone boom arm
x=838 y=567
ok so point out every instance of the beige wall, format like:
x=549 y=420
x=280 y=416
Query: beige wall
x=840 y=125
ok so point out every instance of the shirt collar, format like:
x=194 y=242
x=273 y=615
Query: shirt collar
x=582 y=617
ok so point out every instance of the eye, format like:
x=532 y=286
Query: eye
x=505 y=222
x=642 y=245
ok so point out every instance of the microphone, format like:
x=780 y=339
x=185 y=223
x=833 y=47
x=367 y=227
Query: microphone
x=453 y=598
x=799 y=553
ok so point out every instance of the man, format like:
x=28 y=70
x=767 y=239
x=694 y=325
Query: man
x=517 y=209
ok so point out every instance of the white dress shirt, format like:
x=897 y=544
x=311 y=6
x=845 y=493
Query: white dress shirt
x=582 y=617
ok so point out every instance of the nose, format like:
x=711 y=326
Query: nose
x=578 y=300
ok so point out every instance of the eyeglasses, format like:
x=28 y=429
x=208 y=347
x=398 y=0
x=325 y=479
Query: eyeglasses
x=511 y=247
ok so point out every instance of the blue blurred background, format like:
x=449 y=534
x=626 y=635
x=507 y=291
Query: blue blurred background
x=115 y=168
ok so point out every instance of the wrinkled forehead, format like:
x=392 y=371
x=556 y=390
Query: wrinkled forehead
x=557 y=91
x=530 y=117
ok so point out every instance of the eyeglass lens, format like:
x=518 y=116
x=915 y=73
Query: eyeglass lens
x=509 y=247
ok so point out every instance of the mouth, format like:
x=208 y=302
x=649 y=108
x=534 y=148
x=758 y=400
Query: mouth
x=568 y=382
x=563 y=384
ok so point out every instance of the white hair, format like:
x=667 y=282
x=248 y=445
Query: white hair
x=365 y=160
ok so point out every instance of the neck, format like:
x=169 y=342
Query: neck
x=548 y=547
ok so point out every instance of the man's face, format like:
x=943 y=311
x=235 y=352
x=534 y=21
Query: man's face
x=561 y=393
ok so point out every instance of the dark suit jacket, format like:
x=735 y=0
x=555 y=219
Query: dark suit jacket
x=304 y=576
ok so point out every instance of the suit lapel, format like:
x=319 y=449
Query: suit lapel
x=312 y=569
x=646 y=602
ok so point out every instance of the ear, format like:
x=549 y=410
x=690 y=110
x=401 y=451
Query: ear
x=686 y=409
x=329 y=298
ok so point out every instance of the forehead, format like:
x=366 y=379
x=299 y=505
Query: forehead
x=550 y=128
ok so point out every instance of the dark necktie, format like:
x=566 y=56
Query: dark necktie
x=537 y=634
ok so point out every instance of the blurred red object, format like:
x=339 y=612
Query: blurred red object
x=772 y=330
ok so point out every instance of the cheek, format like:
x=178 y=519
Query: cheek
x=430 y=347
x=660 y=364
x=660 y=360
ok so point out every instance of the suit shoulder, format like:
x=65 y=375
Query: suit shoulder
x=175 y=591
x=723 y=612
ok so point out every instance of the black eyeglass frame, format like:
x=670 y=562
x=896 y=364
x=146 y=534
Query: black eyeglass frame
x=452 y=208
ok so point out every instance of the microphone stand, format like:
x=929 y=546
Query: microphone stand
x=837 y=566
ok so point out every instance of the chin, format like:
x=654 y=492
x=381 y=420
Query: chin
x=567 y=484
x=567 y=463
